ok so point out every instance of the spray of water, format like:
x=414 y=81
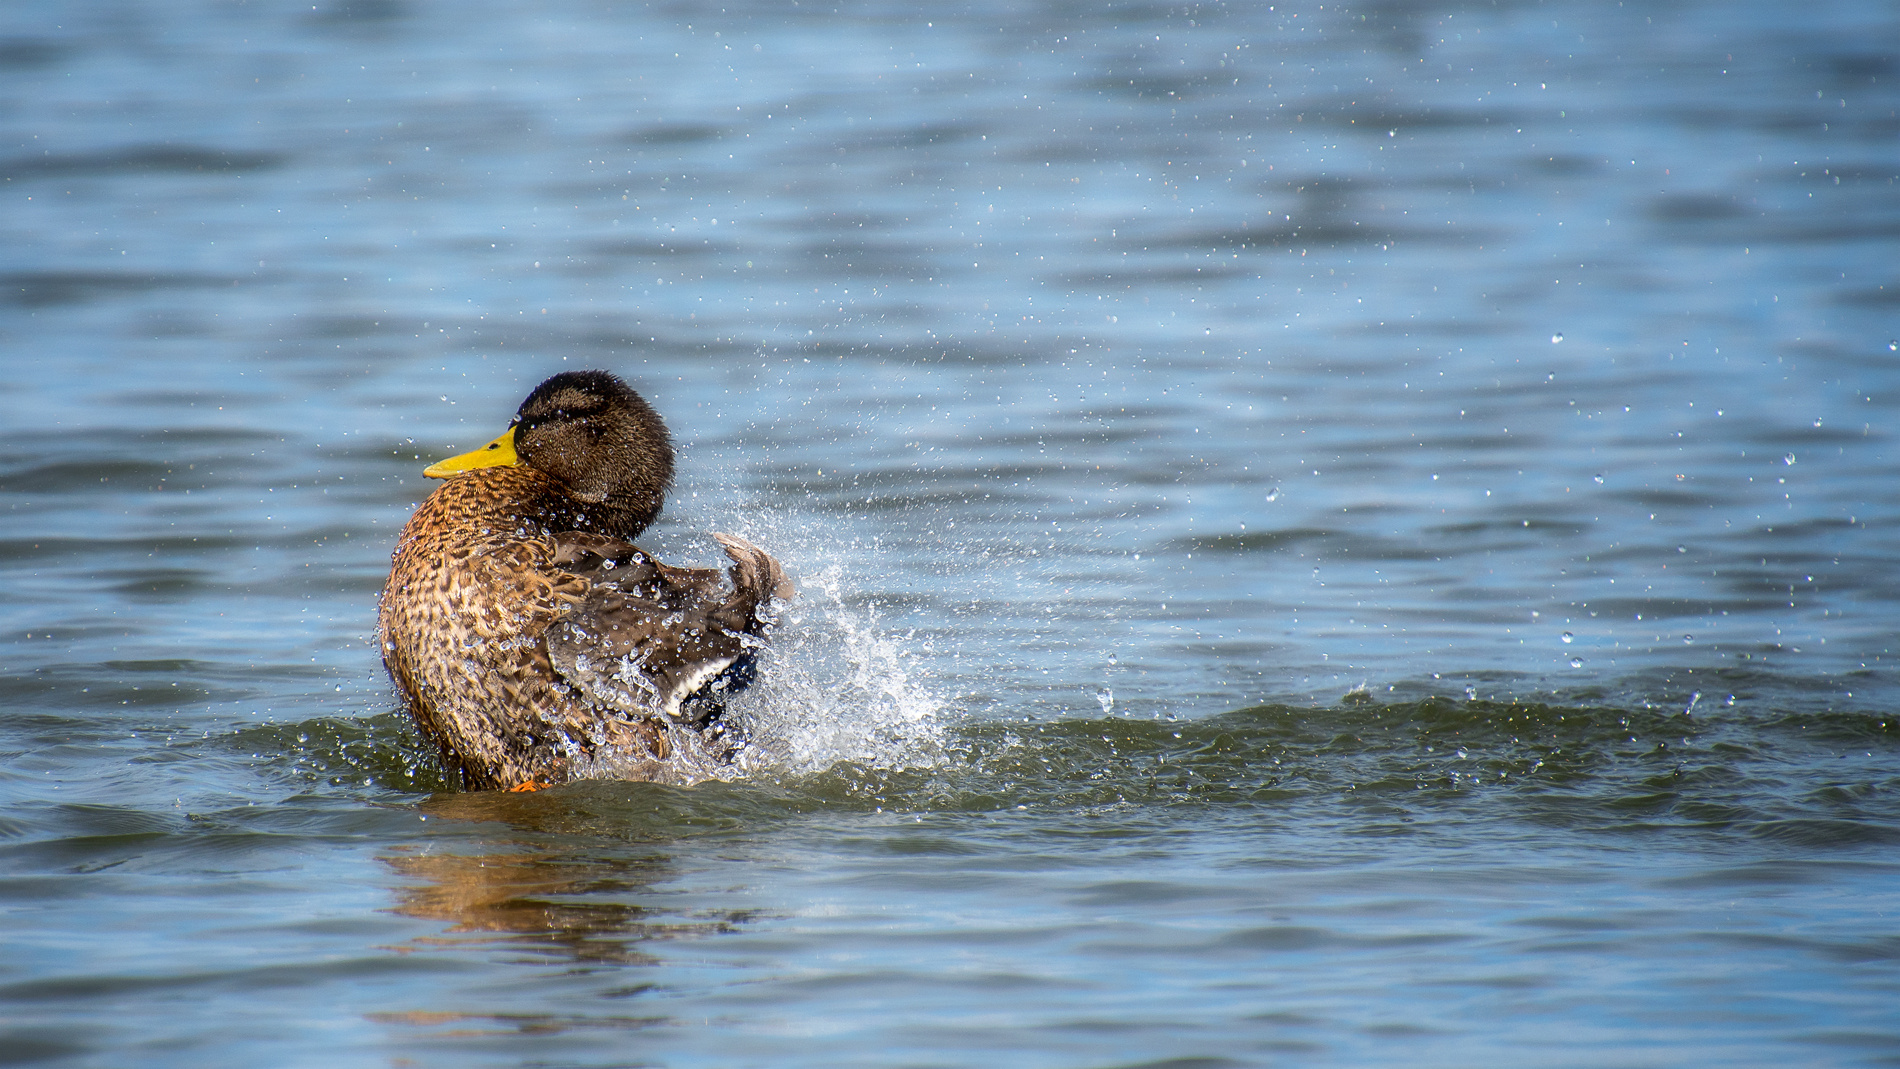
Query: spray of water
x=834 y=688
x=833 y=684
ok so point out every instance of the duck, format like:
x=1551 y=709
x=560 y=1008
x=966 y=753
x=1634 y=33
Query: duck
x=532 y=642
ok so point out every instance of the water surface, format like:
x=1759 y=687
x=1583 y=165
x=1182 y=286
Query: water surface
x=1326 y=535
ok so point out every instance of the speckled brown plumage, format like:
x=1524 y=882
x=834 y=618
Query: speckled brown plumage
x=499 y=567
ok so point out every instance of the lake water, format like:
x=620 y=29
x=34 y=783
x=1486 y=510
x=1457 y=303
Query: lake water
x=1326 y=535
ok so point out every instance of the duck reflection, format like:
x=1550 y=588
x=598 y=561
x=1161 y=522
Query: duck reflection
x=561 y=887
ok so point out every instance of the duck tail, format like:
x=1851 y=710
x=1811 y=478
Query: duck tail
x=756 y=576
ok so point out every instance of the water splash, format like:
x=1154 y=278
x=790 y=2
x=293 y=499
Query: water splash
x=835 y=688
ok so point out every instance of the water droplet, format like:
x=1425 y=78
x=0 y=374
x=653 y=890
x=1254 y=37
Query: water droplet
x=1688 y=640
x=1576 y=662
x=1555 y=338
x=1598 y=477
x=1682 y=549
x=1893 y=345
x=1789 y=459
x=1568 y=638
x=1817 y=421
x=1106 y=699
x=1471 y=692
x=1273 y=494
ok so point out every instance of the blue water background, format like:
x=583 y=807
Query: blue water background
x=1325 y=534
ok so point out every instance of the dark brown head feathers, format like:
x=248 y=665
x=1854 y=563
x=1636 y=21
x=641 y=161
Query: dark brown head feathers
x=603 y=443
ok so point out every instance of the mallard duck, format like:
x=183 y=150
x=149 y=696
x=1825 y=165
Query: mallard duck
x=532 y=641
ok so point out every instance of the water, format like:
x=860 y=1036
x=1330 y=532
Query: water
x=1331 y=535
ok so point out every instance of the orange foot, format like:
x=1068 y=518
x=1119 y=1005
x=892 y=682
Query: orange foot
x=531 y=785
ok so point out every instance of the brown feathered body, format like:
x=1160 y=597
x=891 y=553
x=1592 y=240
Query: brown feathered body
x=534 y=648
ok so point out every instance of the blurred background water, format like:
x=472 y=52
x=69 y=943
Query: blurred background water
x=1326 y=534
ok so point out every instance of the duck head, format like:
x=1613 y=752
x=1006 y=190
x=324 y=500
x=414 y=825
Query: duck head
x=589 y=432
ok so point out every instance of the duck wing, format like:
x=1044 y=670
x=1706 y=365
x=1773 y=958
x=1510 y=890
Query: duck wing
x=647 y=637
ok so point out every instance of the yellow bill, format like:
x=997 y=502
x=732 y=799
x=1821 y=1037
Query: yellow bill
x=499 y=453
